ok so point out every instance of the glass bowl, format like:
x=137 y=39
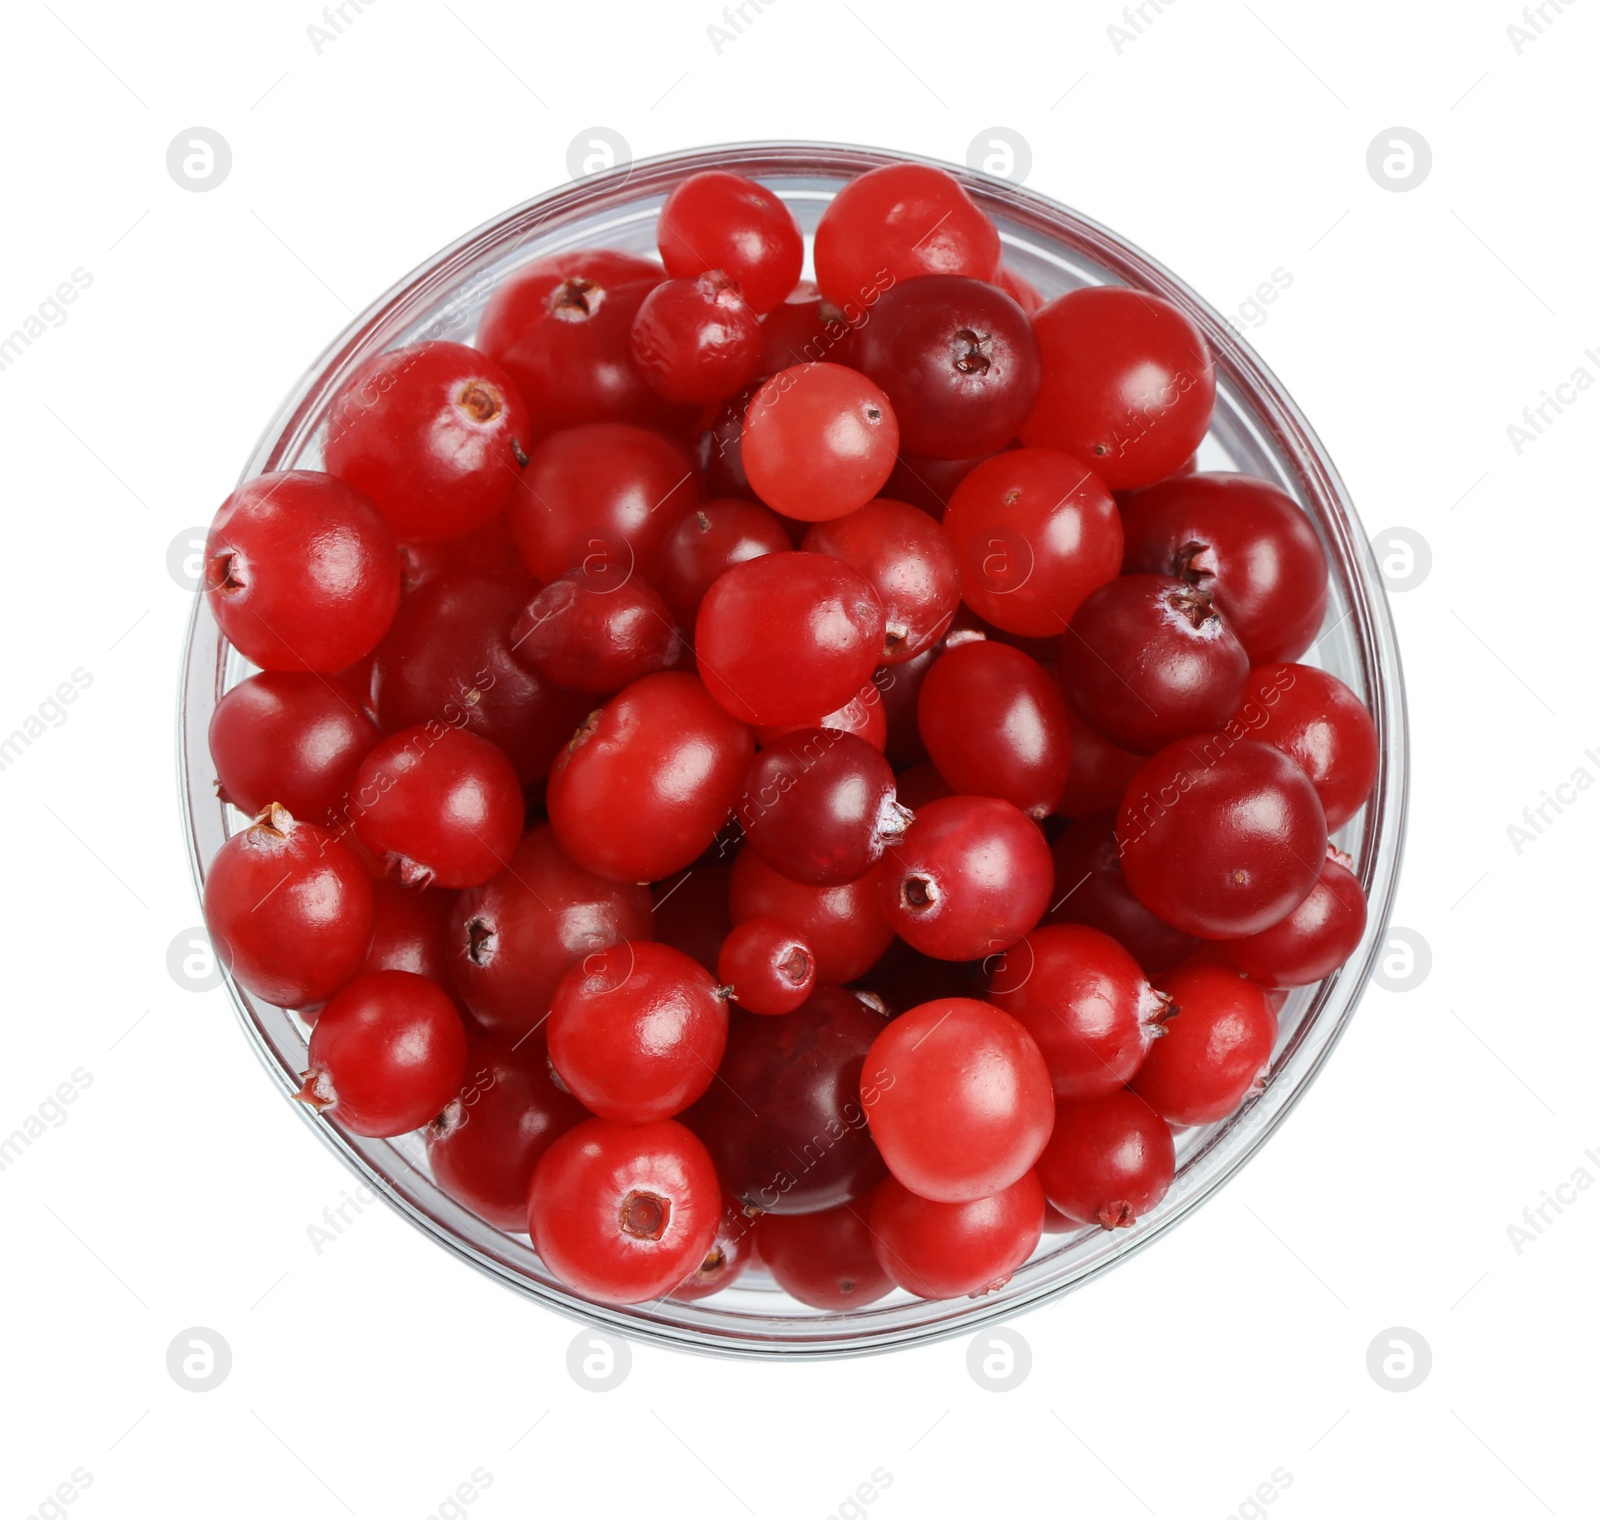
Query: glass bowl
x=1257 y=429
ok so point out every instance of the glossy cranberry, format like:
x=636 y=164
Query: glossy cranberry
x=600 y=499
x=1021 y=290
x=786 y=637
x=715 y=536
x=819 y=441
x=863 y=715
x=784 y=1121
x=719 y=446
x=895 y=223
x=645 y=784
x=910 y=563
x=995 y=726
x=636 y=1031
x=589 y=634
x=386 y=1054
x=1243 y=541
x=956 y=1250
x=1036 y=533
x=441 y=806
x=844 y=925
x=1129 y=384
x=289 y=737
x=490 y=548
x=691 y=912
x=819 y=806
x=449 y=658
x=1221 y=837
x=1110 y=1160
x=963 y=1099
x=732 y=1252
x=433 y=434
x=769 y=967
x=1320 y=724
x=1091 y=889
x=1147 y=660
x=301 y=572
x=512 y=939
x=718 y=220
x=1086 y=1003
x=957 y=359
x=1218 y=1040
x=485 y=1143
x=289 y=910
x=804 y=329
x=561 y=329
x=1315 y=939
x=1098 y=774
x=825 y=1260
x=696 y=340
x=623 y=1213
x=899 y=687
x=928 y=484
x=409 y=931
x=971 y=876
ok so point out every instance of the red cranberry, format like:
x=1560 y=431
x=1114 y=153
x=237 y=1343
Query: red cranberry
x=715 y=536
x=733 y=1251
x=696 y=340
x=844 y=925
x=824 y=1260
x=718 y=220
x=767 y=966
x=1110 y=1160
x=1098 y=774
x=409 y=931
x=592 y=635
x=1216 y=1047
x=1315 y=939
x=955 y=1250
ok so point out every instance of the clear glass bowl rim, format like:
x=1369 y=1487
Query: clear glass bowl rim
x=701 y=1327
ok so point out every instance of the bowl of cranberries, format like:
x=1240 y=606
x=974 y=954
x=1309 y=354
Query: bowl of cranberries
x=792 y=750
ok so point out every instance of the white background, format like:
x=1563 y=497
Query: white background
x=373 y=1378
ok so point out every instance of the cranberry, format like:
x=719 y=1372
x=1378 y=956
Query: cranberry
x=1091 y=889
x=636 y=1031
x=718 y=220
x=819 y=441
x=844 y=925
x=995 y=725
x=963 y=1103
x=489 y=548
x=485 y=1143
x=955 y=1250
x=512 y=939
x=819 y=806
x=441 y=806
x=732 y=1252
x=589 y=634
x=691 y=912
x=895 y=223
x=449 y=658
x=1315 y=939
x=1320 y=724
x=803 y=329
x=715 y=536
x=1098 y=774
x=1147 y=660
x=785 y=637
x=910 y=563
x=767 y=967
x=957 y=359
x=560 y=328
x=784 y=1121
x=899 y=688
x=1086 y=1003
x=1243 y=541
x=971 y=876
x=433 y=434
x=408 y=931
x=862 y=716
x=289 y=910
x=1221 y=837
x=646 y=783
x=623 y=1213
x=825 y=1260
x=1036 y=533
x=301 y=572
x=697 y=340
x=719 y=447
x=386 y=1054
x=1216 y=1047
x=600 y=498
x=1110 y=1160
x=289 y=737
x=1129 y=384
